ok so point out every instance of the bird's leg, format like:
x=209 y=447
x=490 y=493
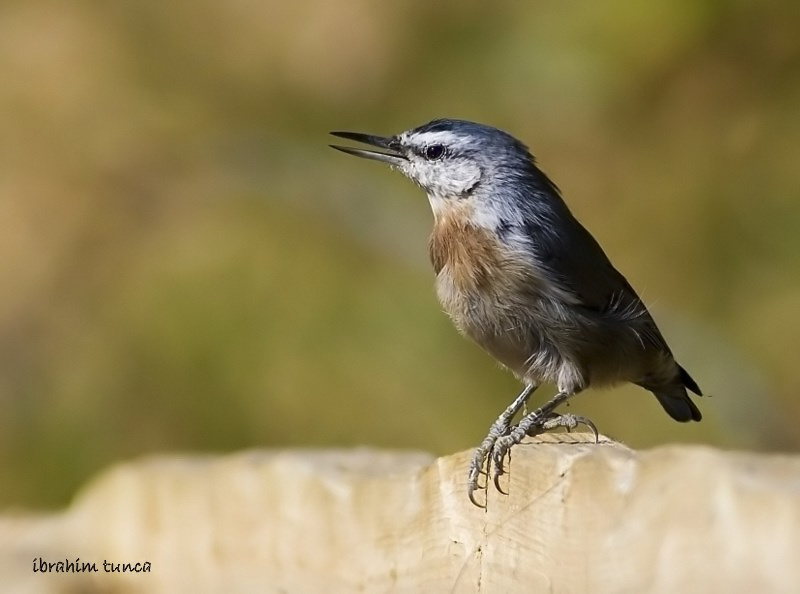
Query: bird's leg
x=543 y=417
x=498 y=429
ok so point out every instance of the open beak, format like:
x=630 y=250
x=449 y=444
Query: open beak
x=392 y=156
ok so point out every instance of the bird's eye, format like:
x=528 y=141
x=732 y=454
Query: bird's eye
x=434 y=152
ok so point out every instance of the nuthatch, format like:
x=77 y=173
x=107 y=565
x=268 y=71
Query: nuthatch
x=519 y=275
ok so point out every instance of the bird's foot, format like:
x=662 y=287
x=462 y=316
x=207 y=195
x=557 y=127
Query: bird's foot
x=489 y=457
x=569 y=422
x=533 y=424
x=480 y=466
x=480 y=460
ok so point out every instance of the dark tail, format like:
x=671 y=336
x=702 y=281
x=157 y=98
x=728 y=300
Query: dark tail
x=677 y=402
x=688 y=381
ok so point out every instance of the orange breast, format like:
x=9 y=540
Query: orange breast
x=472 y=255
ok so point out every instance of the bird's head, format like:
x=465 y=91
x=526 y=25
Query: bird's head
x=453 y=160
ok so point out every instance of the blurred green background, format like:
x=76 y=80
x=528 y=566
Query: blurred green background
x=186 y=266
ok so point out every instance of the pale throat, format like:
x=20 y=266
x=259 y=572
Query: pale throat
x=467 y=210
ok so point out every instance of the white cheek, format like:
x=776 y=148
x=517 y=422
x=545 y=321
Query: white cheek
x=412 y=171
x=444 y=180
x=462 y=178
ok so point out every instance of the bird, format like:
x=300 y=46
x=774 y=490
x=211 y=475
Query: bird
x=519 y=274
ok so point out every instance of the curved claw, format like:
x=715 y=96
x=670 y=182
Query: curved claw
x=590 y=425
x=474 y=479
x=471 y=494
x=482 y=459
x=490 y=456
x=476 y=469
x=496 y=481
x=498 y=467
x=569 y=422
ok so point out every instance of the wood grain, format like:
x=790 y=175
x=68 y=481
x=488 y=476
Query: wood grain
x=578 y=517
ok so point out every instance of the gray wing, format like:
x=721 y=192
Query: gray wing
x=578 y=264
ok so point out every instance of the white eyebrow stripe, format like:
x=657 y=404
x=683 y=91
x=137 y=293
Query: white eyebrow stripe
x=428 y=138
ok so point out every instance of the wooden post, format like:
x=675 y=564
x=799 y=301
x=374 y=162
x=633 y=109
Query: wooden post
x=578 y=517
